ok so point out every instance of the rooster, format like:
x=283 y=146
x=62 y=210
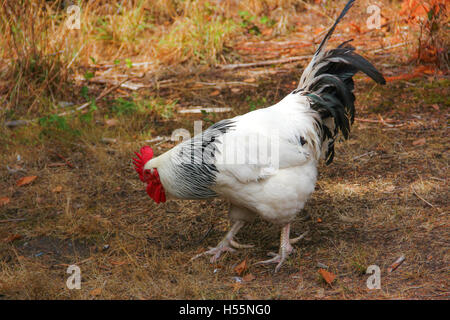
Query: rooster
x=265 y=162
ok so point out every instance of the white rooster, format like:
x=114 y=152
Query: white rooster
x=265 y=162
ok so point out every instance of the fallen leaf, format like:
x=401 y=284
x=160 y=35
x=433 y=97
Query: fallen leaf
x=250 y=80
x=25 y=180
x=435 y=107
x=12 y=237
x=419 y=142
x=355 y=27
x=248 y=277
x=327 y=276
x=320 y=293
x=390 y=188
x=236 y=286
x=96 y=292
x=235 y=90
x=214 y=93
x=57 y=189
x=118 y=263
x=267 y=32
x=4 y=201
x=111 y=122
x=318 y=30
x=241 y=267
x=319 y=220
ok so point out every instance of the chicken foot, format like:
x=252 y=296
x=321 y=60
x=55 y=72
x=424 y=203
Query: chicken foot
x=285 y=248
x=227 y=244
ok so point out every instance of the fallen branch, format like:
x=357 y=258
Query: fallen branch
x=263 y=63
x=382 y=121
x=202 y=109
x=16 y=123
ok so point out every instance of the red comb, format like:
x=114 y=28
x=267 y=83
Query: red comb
x=142 y=158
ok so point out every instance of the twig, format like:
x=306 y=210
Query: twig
x=103 y=94
x=76 y=55
x=203 y=109
x=16 y=123
x=387 y=48
x=12 y=220
x=131 y=86
x=320 y=12
x=263 y=63
x=396 y=264
x=77 y=263
x=64 y=159
x=221 y=85
x=375 y=121
x=206 y=234
x=370 y=153
x=428 y=203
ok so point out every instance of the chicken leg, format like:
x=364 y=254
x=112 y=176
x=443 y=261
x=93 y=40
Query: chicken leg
x=227 y=243
x=285 y=248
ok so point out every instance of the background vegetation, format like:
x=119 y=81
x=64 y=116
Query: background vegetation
x=76 y=103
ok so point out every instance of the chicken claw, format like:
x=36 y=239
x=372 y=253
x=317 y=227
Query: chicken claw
x=285 y=248
x=226 y=245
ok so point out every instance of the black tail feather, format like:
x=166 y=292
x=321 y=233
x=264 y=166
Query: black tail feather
x=330 y=32
x=328 y=82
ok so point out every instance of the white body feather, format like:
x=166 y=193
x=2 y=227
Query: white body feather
x=276 y=189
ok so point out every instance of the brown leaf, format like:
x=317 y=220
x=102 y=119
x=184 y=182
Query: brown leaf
x=12 y=237
x=435 y=107
x=118 y=263
x=96 y=292
x=419 y=142
x=355 y=27
x=248 y=277
x=236 y=286
x=111 y=122
x=266 y=31
x=250 y=80
x=4 y=201
x=214 y=93
x=25 y=180
x=241 y=267
x=57 y=189
x=319 y=220
x=327 y=276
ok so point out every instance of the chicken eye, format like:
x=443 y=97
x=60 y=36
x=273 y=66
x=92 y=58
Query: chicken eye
x=303 y=141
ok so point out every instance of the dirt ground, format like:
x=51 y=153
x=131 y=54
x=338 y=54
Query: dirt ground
x=384 y=196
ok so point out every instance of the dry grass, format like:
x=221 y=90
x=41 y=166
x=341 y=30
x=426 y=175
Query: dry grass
x=41 y=56
x=385 y=195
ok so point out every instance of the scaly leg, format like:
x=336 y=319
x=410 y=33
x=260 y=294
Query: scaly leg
x=227 y=244
x=285 y=248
